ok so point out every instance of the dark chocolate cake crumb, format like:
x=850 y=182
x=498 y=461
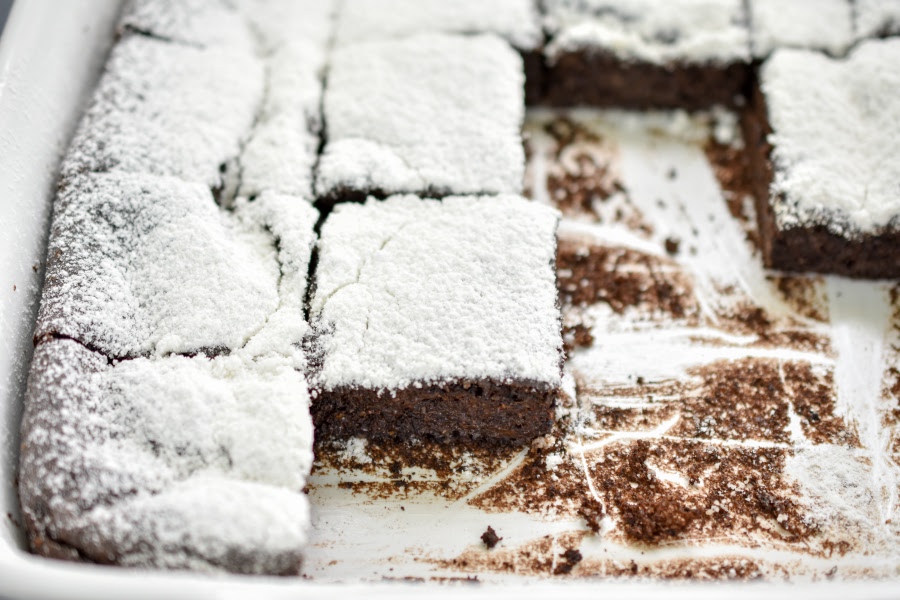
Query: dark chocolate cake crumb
x=490 y=538
x=672 y=245
x=570 y=558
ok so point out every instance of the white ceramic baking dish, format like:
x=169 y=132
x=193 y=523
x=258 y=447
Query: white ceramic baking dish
x=50 y=56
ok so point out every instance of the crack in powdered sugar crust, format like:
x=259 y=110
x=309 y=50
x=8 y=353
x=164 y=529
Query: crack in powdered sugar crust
x=293 y=37
x=364 y=20
x=845 y=175
x=282 y=150
x=168 y=109
x=172 y=462
x=433 y=112
x=675 y=31
x=412 y=291
x=813 y=24
x=139 y=264
x=290 y=221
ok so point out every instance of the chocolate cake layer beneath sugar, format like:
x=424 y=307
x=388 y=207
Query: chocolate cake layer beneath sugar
x=479 y=412
x=168 y=109
x=824 y=201
x=600 y=78
x=640 y=54
x=442 y=116
x=176 y=463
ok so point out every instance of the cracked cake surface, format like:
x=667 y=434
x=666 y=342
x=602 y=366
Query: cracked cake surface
x=140 y=264
x=414 y=291
x=174 y=462
x=693 y=31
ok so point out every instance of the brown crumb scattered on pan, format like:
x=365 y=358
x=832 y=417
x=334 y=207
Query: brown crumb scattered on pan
x=490 y=537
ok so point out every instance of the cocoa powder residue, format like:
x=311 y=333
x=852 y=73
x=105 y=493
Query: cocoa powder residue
x=623 y=278
x=662 y=491
x=731 y=166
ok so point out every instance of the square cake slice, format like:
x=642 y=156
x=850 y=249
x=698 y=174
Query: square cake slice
x=168 y=109
x=432 y=114
x=141 y=265
x=176 y=462
x=690 y=54
x=823 y=140
x=809 y=24
x=436 y=319
x=517 y=21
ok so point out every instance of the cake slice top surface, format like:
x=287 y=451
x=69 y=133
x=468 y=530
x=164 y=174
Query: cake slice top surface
x=834 y=142
x=516 y=21
x=813 y=24
x=675 y=31
x=193 y=22
x=432 y=114
x=412 y=291
x=168 y=109
x=168 y=462
x=151 y=265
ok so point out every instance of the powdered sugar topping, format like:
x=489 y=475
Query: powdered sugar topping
x=410 y=291
x=441 y=115
x=168 y=109
x=676 y=31
x=195 y=22
x=142 y=264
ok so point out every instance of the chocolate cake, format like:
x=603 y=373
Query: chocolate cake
x=432 y=114
x=167 y=419
x=516 y=21
x=436 y=320
x=644 y=54
x=826 y=196
x=199 y=314
x=133 y=290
